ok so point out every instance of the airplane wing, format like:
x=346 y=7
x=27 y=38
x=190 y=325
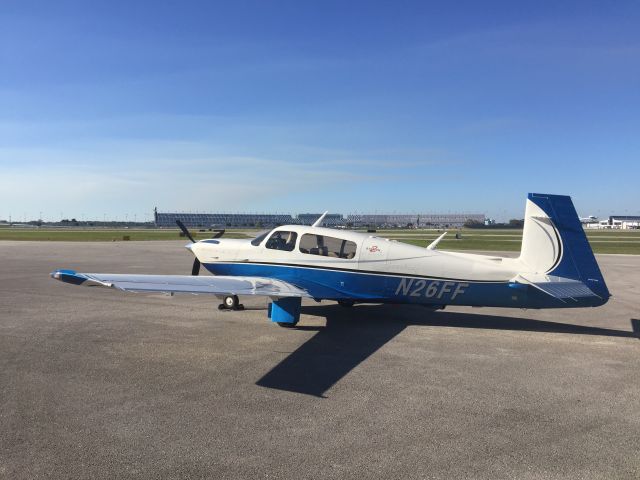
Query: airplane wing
x=218 y=285
x=558 y=287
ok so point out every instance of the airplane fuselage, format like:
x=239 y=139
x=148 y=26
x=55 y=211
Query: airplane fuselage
x=380 y=270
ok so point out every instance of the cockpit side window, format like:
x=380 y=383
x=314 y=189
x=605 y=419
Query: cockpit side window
x=282 y=240
x=258 y=240
x=327 y=246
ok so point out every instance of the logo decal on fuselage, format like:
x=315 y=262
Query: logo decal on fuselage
x=437 y=289
x=373 y=249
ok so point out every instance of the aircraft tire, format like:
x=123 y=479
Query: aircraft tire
x=231 y=302
x=346 y=303
x=287 y=324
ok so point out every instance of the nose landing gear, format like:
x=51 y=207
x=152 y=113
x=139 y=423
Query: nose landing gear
x=231 y=302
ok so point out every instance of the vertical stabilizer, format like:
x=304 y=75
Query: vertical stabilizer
x=554 y=242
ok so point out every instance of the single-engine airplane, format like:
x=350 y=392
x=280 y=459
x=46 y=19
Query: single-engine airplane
x=556 y=268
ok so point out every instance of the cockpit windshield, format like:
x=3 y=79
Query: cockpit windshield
x=261 y=236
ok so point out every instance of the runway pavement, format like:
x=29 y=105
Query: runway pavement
x=96 y=383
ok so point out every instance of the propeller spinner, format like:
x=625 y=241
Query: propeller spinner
x=195 y=270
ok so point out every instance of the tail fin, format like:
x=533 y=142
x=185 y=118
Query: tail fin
x=554 y=242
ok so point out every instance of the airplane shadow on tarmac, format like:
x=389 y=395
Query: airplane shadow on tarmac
x=351 y=335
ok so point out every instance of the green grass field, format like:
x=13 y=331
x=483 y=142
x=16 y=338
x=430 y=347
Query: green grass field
x=602 y=241
x=612 y=241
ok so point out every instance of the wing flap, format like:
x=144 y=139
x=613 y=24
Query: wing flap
x=218 y=285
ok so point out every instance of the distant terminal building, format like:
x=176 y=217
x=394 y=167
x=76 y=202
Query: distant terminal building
x=625 y=222
x=331 y=220
x=207 y=220
x=423 y=220
x=617 y=222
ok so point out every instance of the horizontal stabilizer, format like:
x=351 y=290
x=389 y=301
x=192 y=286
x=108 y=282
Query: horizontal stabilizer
x=218 y=285
x=566 y=290
x=561 y=288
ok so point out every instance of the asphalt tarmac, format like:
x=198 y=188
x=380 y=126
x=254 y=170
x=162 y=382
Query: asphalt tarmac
x=96 y=383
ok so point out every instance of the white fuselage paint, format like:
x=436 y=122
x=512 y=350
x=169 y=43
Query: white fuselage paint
x=375 y=255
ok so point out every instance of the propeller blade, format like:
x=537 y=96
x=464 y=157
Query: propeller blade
x=195 y=270
x=219 y=233
x=185 y=231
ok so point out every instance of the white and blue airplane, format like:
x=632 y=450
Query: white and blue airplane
x=556 y=268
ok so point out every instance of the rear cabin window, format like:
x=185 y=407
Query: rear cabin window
x=327 y=246
x=282 y=240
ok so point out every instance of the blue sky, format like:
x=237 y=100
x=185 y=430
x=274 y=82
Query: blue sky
x=112 y=108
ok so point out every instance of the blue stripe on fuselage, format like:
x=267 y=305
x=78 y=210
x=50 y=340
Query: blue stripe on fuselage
x=325 y=283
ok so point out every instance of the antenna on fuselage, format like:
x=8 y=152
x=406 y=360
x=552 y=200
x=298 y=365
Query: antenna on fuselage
x=318 y=222
x=434 y=244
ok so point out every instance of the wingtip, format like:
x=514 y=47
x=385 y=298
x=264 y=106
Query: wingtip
x=68 y=276
x=62 y=271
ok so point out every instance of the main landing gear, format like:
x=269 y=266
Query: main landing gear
x=287 y=325
x=231 y=302
x=285 y=311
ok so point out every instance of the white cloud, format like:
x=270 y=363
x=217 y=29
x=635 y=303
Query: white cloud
x=136 y=176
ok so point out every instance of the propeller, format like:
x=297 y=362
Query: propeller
x=195 y=270
x=185 y=231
